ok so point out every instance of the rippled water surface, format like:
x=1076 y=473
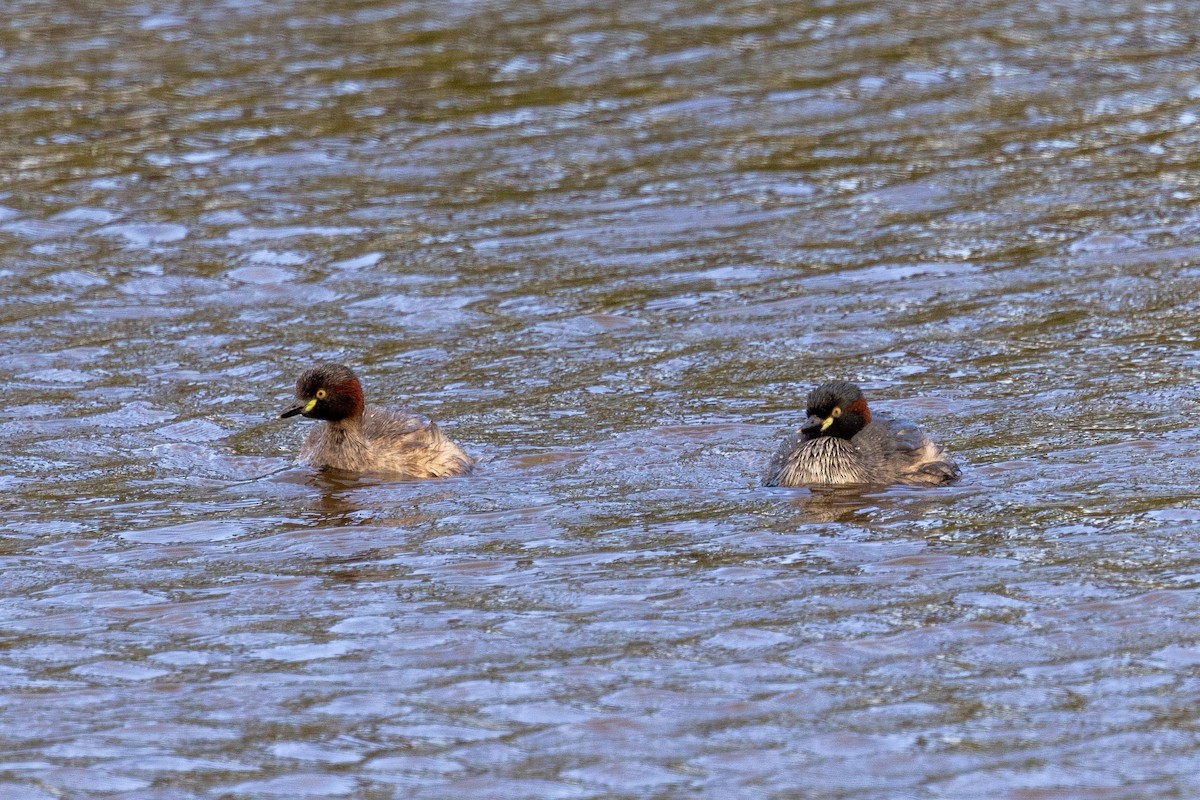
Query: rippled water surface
x=608 y=247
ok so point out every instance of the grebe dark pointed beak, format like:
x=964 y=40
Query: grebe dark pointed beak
x=299 y=408
x=813 y=426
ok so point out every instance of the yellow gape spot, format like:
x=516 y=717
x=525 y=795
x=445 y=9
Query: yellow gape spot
x=311 y=405
x=837 y=412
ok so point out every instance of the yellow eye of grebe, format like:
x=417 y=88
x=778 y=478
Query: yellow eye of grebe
x=837 y=412
x=321 y=394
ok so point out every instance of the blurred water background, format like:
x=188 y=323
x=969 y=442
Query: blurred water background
x=609 y=247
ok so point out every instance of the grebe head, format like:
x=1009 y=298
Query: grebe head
x=327 y=391
x=835 y=409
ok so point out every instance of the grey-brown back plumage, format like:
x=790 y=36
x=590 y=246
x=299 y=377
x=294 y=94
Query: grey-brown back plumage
x=388 y=440
x=885 y=451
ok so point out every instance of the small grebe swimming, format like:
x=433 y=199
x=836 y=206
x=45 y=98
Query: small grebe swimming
x=842 y=444
x=360 y=438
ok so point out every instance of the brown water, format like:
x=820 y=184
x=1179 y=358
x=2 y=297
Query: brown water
x=609 y=248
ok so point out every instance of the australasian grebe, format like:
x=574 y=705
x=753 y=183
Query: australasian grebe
x=841 y=444
x=360 y=438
